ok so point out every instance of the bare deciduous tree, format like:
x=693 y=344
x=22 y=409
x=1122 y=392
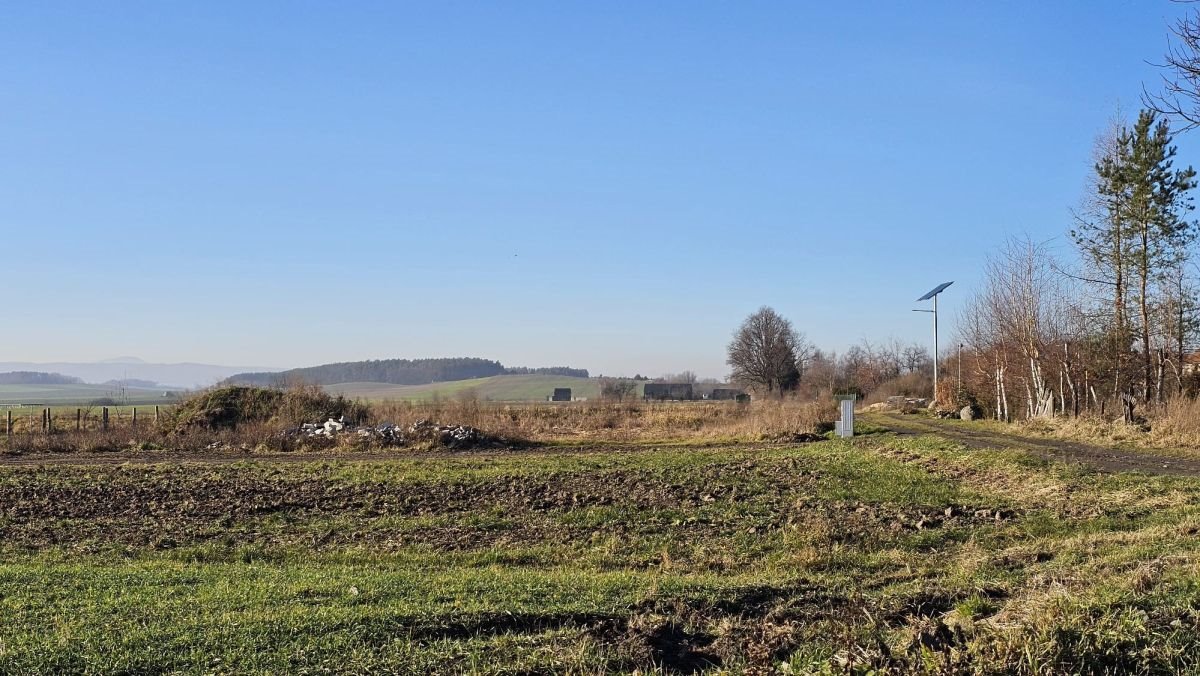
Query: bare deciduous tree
x=688 y=377
x=1019 y=316
x=1102 y=239
x=1180 y=95
x=764 y=353
x=617 y=389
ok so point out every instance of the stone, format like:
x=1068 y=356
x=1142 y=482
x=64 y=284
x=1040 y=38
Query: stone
x=967 y=413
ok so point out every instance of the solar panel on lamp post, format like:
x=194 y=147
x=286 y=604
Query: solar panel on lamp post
x=934 y=296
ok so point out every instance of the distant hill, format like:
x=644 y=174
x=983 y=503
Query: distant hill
x=398 y=372
x=131 y=382
x=37 y=378
x=493 y=388
x=122 y=360
x=184 y=375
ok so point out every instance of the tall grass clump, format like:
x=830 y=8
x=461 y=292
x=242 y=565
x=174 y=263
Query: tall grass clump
x=1177 y=423
x=236 y=406
x=1172 y=424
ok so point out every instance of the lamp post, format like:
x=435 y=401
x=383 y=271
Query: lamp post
x=960 y=351
x=933 y=295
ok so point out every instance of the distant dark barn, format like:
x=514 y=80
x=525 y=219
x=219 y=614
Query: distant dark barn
x=725 y=394
x=667 y=391
x=561 y=394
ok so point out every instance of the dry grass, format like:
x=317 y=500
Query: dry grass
x=1086 y=428
x=1178 y=424
x=259 y=429
x=63 y=418
x=257 y=436
x=621 y=421
x=1175 y=424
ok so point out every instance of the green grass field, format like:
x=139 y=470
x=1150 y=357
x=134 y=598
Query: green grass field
x=71 y=395
x=885 y=554
x=495 y=388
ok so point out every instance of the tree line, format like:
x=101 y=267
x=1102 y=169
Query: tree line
x=1112 y=330
x=37 y=378
x=546 y=371
x=769 y=357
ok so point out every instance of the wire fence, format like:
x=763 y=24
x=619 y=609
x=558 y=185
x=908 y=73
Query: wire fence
x=55 y=419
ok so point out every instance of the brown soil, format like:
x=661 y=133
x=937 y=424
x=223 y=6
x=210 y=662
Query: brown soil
x=171 y=505
x=329 y=455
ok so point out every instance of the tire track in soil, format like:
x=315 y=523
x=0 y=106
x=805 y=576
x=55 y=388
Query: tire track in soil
x=1102 y=458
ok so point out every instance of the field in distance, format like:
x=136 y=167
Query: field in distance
x=494 y=388
x=78 y=394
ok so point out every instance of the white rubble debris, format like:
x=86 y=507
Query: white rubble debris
x=453 y=436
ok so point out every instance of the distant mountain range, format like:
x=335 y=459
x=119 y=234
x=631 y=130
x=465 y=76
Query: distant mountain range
x=175 y=376
x=134 y=372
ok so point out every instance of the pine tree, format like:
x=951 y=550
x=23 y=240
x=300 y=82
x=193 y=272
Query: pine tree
x=1158 y=198
x=1134 y=237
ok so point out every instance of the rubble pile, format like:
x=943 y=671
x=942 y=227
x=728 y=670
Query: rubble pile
x=422 y=431
x=904 y=403
x=453 y=436
x=387 y=433
x=329 y=428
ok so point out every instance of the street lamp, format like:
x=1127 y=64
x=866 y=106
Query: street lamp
x=960 y=351
x=934 y=296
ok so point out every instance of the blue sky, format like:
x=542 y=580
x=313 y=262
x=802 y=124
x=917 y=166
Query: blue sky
x=611 y=186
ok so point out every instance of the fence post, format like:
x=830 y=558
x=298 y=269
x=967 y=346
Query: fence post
x=104 y=419
x=78 y=419
x=49 y=421
x=134 y=422
x=8 y=426
x=156 y=414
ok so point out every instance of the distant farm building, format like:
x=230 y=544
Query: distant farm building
x=561 y=394
x=725 y=394
x=667 y=391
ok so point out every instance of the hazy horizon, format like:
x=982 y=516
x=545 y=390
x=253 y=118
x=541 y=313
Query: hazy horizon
x=541 y=185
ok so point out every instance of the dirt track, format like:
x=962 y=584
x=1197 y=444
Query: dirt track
x=1099 y=457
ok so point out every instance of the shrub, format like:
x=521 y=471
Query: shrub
x=235 y=406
